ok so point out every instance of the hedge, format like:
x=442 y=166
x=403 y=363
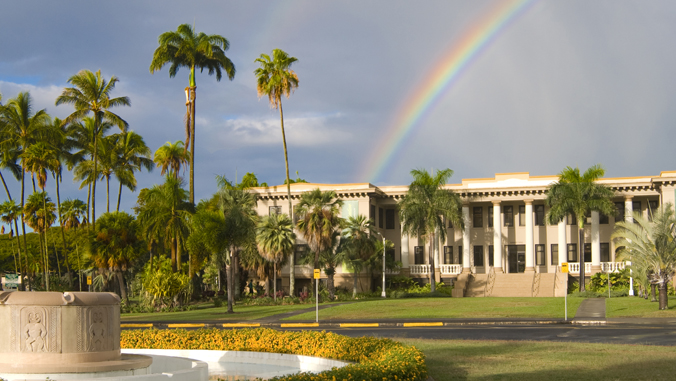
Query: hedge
x=373 y=358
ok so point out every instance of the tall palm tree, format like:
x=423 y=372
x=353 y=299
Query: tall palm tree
x=10 y=212
x=165 y=212
x=425 y=208
x=116 y=245
x=319 y=220
x=39 y=213
x=74 y=213
x=185 y=48
x=170 y=157
x=276 y=79
x=275 y=239
x=21 y=128
x=108 y=156
x=651 y=246
x=134 y=155
x=359 y=245
x=578 y=195
x=91 y=93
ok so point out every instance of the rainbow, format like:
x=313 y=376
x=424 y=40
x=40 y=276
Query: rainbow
x=440 y=79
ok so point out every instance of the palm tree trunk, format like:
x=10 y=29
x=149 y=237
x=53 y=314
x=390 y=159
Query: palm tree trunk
x=433 y=276
x=58 y=261
x=653 y=286
x=5 y=185
x=123 y=289
x=23 y=224
x=193 y=96
x=664 y=302
x=33 y=179
x=179 y=252
x=44 y=220
x=354 y=284
x=119 y=197
x=581 y=249
x=96 y=173
x=89 y=198
x=274 y=277
x=173 y=253
x=21 y=267
x=230 y=280
x=331 y=284
x=107 y=194
x=292 y=267
x=63 y=233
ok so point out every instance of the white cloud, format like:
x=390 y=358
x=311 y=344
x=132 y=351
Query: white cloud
x=43 y=96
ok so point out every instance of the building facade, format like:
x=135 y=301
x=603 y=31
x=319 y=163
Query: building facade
x=505 y=228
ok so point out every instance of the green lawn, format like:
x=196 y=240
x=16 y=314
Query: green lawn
x=419 y=308
x=523 y=360
x=638 y=307
x=208 y=313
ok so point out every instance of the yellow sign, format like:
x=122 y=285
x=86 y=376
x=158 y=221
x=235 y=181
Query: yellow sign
x=89 y=280
x=564 y=267
x=318 y=273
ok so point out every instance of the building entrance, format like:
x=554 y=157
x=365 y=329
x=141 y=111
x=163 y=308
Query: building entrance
x=516 y=258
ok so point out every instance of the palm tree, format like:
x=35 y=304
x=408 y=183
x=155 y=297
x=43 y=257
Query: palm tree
x=578 y=195
x=74 y=213
x=108 y=156
x=10 y=212
x=165 y=212
x=359 y=245
x=185 y=48
x=275 y=78
x=39 y=213
x=134 y=155
x=91 y=94
x=9 y=157
x=20 y=129
x=319 y=219
x=170 y=157
x=425 y=208
x=651 y=247
x=275 y=239
x=116 y=245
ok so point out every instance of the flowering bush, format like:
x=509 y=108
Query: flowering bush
x=374 y=358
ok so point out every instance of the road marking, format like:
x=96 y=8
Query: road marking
x=241 y=325
x=433 y=324
x=131 y=325
x=299 y=325
x=358 y=325
x=185 y=325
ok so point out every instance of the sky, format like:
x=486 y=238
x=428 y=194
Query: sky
x=563 y=83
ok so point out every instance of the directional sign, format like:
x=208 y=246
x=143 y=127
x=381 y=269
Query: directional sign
x=89 y=280
x=564 y=267
x=318 y=273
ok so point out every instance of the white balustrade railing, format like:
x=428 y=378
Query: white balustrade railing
x=419 y=269
x=392 y=272
x=450 y=269
x=574 y=267
x=612 y=267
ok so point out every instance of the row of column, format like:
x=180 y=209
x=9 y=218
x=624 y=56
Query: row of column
x=530 y=244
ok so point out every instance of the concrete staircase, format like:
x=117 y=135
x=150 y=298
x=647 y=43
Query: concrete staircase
x=516 y=285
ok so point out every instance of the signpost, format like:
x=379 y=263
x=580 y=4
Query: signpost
x=564 y=269
x=317 y=275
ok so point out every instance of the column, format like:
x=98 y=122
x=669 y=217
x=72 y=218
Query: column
x=530 y=245
x=595 y=243
x=563 y=244
x=628 y=217
x=497 y=238
x=465 y=238
x=404 y=254
x=436 y=248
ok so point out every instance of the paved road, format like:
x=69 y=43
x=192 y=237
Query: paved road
x=616 y=334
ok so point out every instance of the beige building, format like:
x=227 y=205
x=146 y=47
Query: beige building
x=505 y=232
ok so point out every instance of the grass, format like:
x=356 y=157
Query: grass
x=523 y=360
x=443 y=308
x=207 y=313
x=638 y=307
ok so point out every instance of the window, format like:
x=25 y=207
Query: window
x=299 y=252
x=372 y=214
x=389 y=253
x=460 y=255
x=636 y=207
x=389 y=219
x=491 y=255
x=450 y=224
x=605 y=252
x=539 y=215
x=555 y=254
x=522 y=215
x=419 y=255
x=603 y=219
x=478 y=255
x=619 y=212
x=572 y=252
x=587 y=252
x=652 y=207
x=490 y=217
x=380 y=218
x=448 y=254
x=509 y=216
x=477 y=217
x=274 y=210
x=540 y=255
x=571 y=219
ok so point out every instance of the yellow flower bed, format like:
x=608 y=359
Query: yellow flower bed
x=374 y=359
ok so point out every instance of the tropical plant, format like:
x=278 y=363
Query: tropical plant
x=185 y=48
x=249 y=180
x=359 y=245
x=39 y=214
x=578 y=195
x=171 y=157
x=276 y=79
x=165 y=287
x=133 y=156
x=9 y=158
x=91 y=94
x=275 y=239
x=116 y=245
x=650 y=245
x=10 y=212
x=426 y=206
x=319 y=218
